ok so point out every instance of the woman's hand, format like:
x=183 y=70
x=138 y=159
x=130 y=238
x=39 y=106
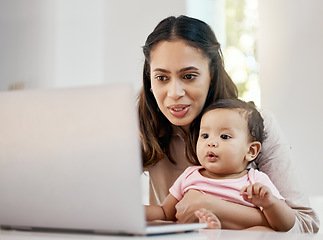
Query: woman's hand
x=191 y=202
x=231 y=215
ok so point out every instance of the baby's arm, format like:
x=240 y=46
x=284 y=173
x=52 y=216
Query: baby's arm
x=166 y=211
x=278 y=214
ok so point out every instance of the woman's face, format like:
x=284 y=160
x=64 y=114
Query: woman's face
x=180 y=80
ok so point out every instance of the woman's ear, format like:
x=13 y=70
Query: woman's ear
x=253 y=152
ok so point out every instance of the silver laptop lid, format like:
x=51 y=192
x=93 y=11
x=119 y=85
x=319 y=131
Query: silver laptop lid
x=64 y=159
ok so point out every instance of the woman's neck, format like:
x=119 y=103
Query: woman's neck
x=186 y=129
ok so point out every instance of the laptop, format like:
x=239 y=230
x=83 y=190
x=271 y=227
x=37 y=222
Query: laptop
x=70 y=160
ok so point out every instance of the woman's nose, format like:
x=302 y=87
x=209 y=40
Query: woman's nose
x=176 y=89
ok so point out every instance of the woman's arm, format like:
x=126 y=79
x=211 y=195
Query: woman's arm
x=231 y=215
x=276 y=161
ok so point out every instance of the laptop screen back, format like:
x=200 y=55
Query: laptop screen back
x=70 y=159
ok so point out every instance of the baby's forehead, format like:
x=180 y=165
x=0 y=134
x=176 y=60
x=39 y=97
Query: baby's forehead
x=225 y=117
x=230 y=111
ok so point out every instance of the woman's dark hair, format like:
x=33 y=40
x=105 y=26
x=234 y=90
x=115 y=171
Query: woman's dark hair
x=155 y=129
x=247 y=109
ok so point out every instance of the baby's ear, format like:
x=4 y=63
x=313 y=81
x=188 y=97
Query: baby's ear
x=254 y=150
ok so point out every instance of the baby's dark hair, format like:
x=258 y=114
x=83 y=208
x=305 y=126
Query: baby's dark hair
x=246 y=109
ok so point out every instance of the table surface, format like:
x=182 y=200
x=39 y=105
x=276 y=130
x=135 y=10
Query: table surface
x=203 y=234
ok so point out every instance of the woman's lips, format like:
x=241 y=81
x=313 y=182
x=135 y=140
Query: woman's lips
x=179 y=111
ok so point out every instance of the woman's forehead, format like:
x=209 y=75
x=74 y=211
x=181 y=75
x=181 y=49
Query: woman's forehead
x=167 y=54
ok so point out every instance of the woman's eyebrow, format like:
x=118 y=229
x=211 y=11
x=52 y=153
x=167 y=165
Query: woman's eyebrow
x=161 y=70
x=179 y=71
x=188 y=69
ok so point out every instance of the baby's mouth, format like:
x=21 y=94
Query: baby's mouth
x=211 y=156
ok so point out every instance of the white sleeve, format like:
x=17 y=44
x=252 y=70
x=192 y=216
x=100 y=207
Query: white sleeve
x=275 y=160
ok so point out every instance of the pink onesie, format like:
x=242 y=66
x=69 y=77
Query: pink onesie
x=227 y=189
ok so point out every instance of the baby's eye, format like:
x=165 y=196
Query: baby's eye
x=204 y=135
x=225 y=136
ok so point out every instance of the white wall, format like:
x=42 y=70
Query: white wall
x=61 y=43
x=27 y=36
x=291 y=76
x=78 y=42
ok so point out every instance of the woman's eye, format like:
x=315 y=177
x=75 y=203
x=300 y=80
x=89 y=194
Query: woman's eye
x=225 y=136
x=204 y=135
x=161 y=78
x=190 y=76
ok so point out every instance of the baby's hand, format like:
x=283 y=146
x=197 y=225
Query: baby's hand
x=206 y=216
x=257 y=194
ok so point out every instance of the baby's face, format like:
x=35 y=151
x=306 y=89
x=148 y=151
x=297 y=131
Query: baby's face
x=223 y=143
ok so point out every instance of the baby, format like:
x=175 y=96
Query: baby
x=230 y=137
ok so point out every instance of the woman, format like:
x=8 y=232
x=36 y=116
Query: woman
x=183 y=74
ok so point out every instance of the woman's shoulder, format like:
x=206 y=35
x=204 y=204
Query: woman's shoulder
x=274 y=134
x=275 y=146
x=270 y=120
